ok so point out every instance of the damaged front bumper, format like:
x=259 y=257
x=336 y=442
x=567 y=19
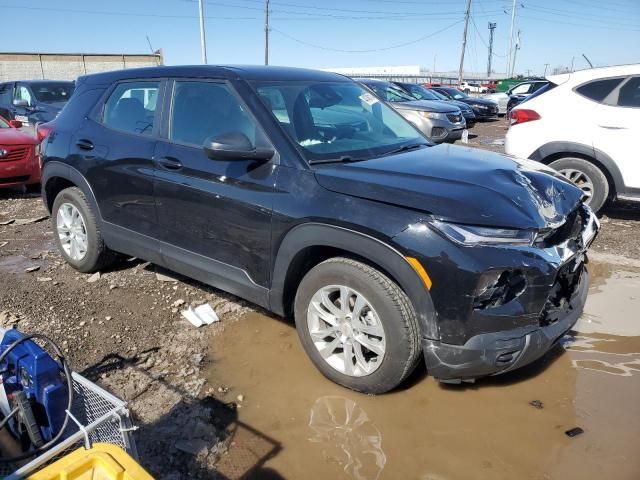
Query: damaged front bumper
x=500 y=308
x=499 y=352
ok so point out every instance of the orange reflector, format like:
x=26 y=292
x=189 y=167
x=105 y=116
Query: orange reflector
x=420 y=271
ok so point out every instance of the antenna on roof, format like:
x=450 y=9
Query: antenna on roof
x=149 y=42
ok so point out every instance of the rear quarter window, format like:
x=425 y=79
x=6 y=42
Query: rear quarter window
x=598 y=90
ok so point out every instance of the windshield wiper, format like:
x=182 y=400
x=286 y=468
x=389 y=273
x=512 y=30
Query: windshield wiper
x=406 y=148
x=341 y=159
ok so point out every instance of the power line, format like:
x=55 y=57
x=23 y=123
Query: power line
x=391 y=47
x=125 y=14
x=560 y=22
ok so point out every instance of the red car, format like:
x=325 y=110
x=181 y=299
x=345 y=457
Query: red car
x=19 y=162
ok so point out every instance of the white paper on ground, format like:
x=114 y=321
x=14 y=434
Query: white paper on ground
x=202 y=315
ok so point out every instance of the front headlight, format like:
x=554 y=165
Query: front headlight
x=471 y=235
x=481 y=107
x=433 y=115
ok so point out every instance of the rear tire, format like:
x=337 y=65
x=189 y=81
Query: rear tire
x=388 y=314
x=586 y=176
x=93 y=254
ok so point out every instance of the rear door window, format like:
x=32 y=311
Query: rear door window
x=597 y=90
x=629 y=95
x=131 y=107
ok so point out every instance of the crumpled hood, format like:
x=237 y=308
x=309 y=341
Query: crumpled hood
x=425 y=106
x=460 y=184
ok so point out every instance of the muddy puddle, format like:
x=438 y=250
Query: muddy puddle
x=293 y=423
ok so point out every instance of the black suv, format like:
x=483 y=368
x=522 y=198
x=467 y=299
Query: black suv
x=302 y=192
x=34 y=101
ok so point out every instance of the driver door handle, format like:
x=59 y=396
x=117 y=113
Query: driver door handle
x=169 y=163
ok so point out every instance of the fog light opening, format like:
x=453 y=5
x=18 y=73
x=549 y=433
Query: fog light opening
x=498 y=288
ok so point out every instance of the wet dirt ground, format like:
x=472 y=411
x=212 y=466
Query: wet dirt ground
x=506 y=427
x=240 y=400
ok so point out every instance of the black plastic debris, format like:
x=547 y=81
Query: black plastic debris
x=574 y=432
x=537 y=404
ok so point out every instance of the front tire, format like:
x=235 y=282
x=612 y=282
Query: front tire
x=76 y=232
x=357 y=326
x=586 y=176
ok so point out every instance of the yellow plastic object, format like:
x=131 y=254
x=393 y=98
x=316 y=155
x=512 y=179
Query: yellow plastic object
x=103 y=461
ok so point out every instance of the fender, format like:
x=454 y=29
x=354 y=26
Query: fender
x=553 y=148
x=53 y=169
x=386 y=256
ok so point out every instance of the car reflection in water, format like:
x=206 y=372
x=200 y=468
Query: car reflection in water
x=347 y=437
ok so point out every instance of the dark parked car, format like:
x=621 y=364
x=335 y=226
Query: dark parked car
x=484 y=109
x=382 y=246
x=35 y=101
x=438 y=121
x=420 y=92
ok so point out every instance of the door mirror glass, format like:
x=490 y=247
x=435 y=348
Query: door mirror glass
x=15 y=123
x=234 y=146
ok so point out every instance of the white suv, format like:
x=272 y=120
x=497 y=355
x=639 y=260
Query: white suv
x=586 y=125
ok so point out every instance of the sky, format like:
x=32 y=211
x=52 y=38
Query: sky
x=334 y=33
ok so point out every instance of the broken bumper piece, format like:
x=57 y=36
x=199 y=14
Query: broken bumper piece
x=499 y=352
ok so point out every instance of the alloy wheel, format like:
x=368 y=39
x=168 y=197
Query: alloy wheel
x=72 y=231
x=346 y=330
x=580 y=180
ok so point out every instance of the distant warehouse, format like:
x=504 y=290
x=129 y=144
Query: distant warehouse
x=69 y=66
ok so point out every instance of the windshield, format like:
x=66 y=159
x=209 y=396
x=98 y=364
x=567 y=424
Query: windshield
x=336 y=120
x=51 y=92
x=389 y=92
x=3 y=123
x=455 y=93
x=438 y=95
x=422 y=93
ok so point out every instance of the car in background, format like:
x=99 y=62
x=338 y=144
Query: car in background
x=586 y=125
x=19 y=163
x=438 y=121
x=515 y=95
x=420 y=92
x=34 y=101
x=491 y=86
x=484 y=109
x=472 y=87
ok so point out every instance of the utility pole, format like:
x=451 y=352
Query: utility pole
x=546 y=65
x=464 y=40
x=492 y=27
x=572 y=60
x=515 y=52
x=203 y=42
x=266 y=33
x=513 y=21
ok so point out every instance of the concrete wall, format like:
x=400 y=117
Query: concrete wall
x=51 y=66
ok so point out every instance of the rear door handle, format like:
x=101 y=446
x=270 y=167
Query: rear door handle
x=169 y=163
x=84 y=144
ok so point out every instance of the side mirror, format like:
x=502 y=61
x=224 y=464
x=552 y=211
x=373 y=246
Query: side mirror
x=19 y=102
x=234 y=146
x=15 y=123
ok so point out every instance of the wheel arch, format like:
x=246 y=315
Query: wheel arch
x=308 y=244
x=555 y=150
x=57 y=176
